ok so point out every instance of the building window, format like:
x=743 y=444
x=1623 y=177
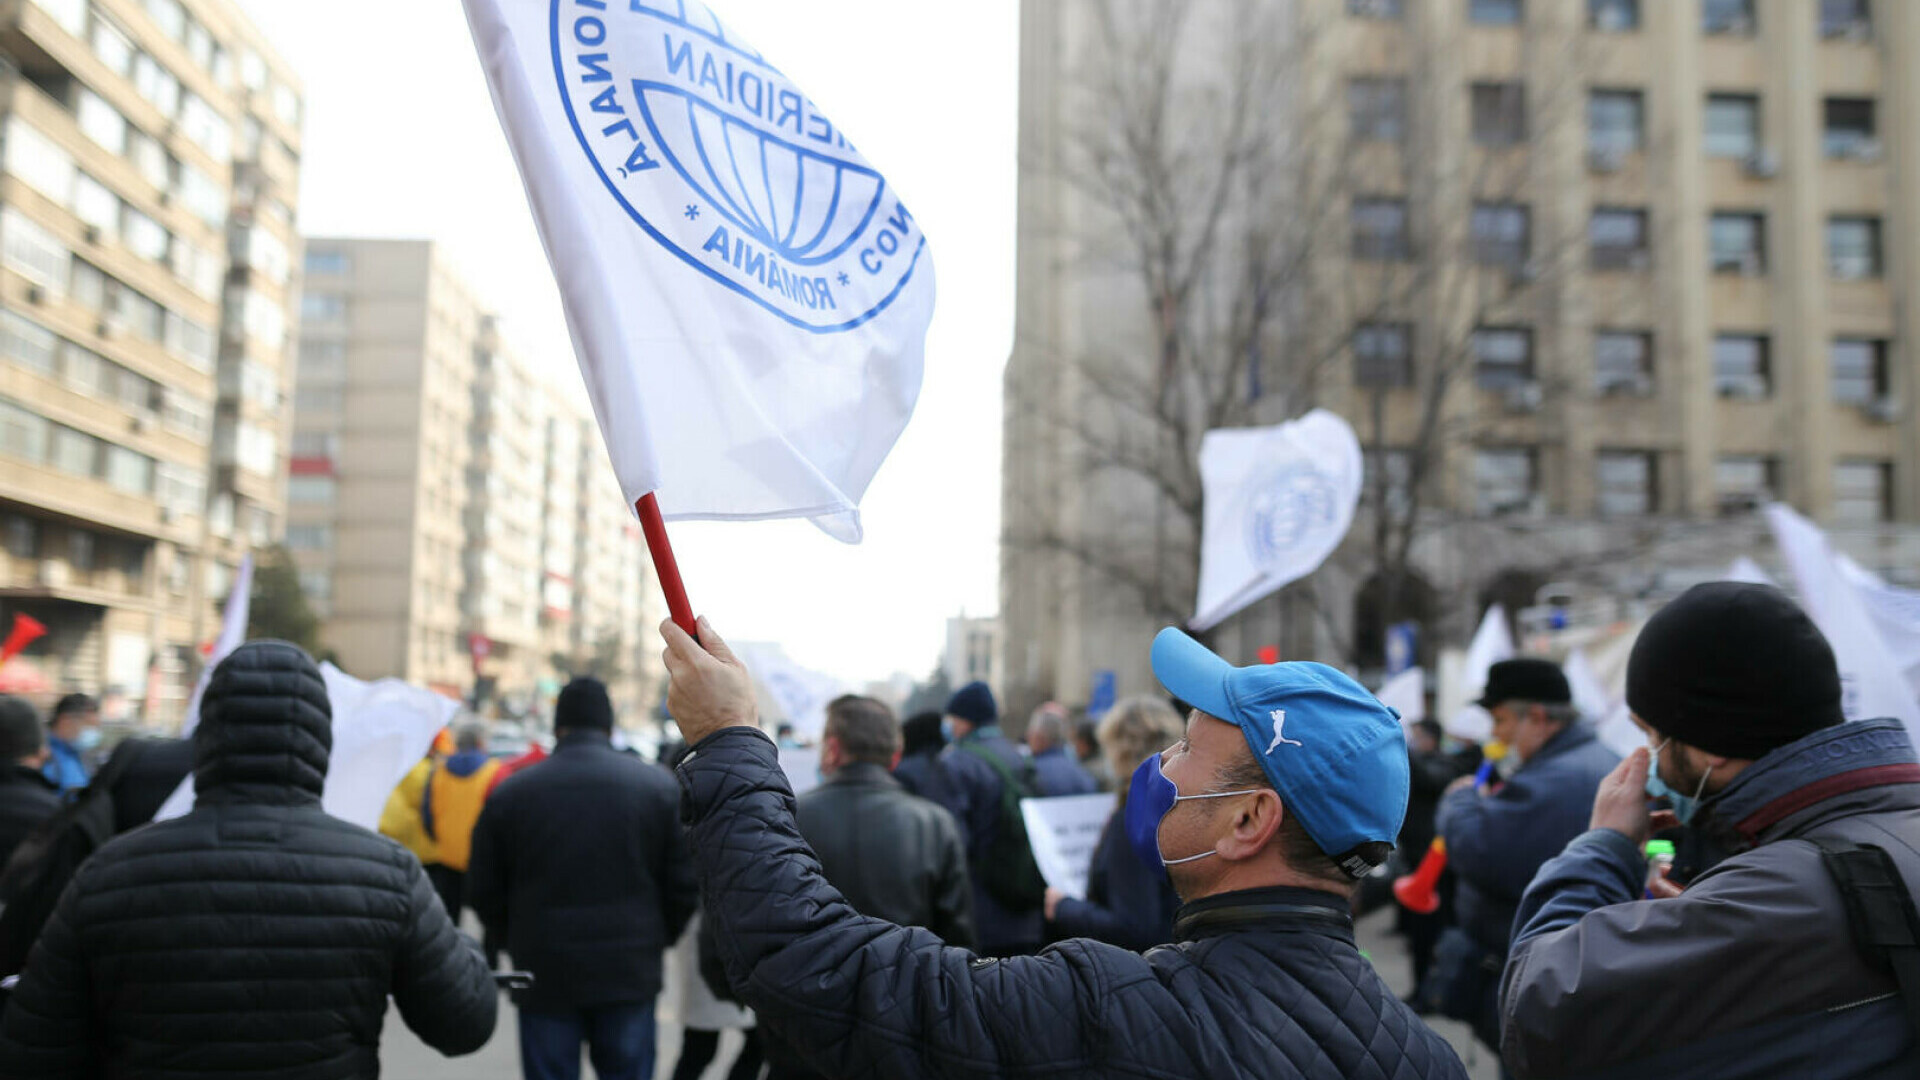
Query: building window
x=1499 y=112
x=1377 y=9
x=1625 y=483
x=1500 y=235
x=1616 y=123
x=23 y=434
x=1732 y=125
x=1861 y=492
x=1846 y=18
x=36 y=159
x=1727 y=16
x=129 y=471
x=1502 y=481
x=1742 y=482
x=317 y=399
x=1859 y=371
x=1382 y=355
x=1736 y=244
x=27 y=344
x=322 y=307
x=1380 y=229
x=1740 y=367
x=324 y=445
x=317 y=584
x=1503 y=358
x=311 y=490
x=1853 y=247
x=1617 y=239
x=80 y=549
x=1849 y=131
x=310 y=537
x=100 y=121
x=23 y=537
x=329 y=263
x=1494 y=12
x=1622 y=363
x=74 y=452
x=1376 y=109
x=1613 y=16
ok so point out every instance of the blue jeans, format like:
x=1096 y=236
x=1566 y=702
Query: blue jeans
x=619 y=1038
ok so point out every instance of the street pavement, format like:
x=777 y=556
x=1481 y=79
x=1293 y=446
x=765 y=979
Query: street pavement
x=402 y=1057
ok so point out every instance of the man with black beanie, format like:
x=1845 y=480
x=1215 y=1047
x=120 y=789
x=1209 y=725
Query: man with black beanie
x=1759 y=968
x=27 y=797
x=580 y=867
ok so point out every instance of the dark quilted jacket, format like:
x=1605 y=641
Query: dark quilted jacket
x=256 y=935
x=1265 y=983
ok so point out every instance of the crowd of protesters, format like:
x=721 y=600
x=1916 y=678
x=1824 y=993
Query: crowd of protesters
x=892 y=921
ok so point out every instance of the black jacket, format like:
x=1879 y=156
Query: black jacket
x=1260 y=983
x=255 y=935
x=154 y=768
x=27 y=798
x=580 y=867
x=894 y=856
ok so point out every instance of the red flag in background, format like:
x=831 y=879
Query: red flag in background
x=26 y=630
x=1269 y=654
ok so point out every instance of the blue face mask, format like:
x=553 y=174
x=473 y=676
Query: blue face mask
x=88 y=738
x=946 y=729
x=1150 y=798
x=1684 y=806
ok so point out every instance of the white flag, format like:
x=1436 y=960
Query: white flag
x=1895 y=613
x=380 y=730
x=1492 y=643
x=233 y=631
x=1278 y=501
x=1872 y=683
x=1406 y=694
x=1589 y=695
x=800 y=693
x=1744 y=569
x=748 y=298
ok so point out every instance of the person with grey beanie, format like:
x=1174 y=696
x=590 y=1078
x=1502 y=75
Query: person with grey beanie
x=1777 y=961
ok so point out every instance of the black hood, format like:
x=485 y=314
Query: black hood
x=266 y=728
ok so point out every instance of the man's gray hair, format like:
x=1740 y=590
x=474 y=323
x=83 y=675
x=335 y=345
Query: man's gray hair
x=469 y=736
x=866 y=728
x=1050 y=723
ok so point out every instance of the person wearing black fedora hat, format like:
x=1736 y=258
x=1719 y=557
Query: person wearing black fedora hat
x=1779 y=961
x=1498 y=835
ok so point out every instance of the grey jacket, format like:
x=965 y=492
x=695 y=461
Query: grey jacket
x=1752 y=972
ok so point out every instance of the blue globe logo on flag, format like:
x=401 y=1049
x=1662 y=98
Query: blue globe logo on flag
x=1282 y=508
x=721 y=160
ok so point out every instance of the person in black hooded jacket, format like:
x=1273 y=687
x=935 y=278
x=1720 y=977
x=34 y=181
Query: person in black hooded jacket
x=256 y=934
x=27 y=797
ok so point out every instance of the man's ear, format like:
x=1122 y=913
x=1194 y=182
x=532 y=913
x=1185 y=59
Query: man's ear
x=1254 y=822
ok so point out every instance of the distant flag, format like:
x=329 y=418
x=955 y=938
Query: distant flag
x=1406 y=694
x=1492 y=643
x=748 y=297
x=1278 y=501
x=1873 y=683
x=800 y=693
x=26 y=630
x=233 y=631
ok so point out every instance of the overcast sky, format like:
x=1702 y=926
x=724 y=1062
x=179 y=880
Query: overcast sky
x=401 y=141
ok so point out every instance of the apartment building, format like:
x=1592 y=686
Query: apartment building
x=1613 y=272
x=149 y=170
x=453 y=515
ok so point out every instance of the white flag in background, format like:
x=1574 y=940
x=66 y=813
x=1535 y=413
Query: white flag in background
x=1278 y=501
x=380 y=730
x=1406 y=694
x=1492 y=643
x=1872 y=682
x=748 y=297
x=233 y=631
x=799 y=693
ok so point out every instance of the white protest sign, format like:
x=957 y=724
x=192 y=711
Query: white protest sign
x=1278 y=500
x=1064 y=831
x=802 y=766
x=1492 y=643
x=748 y=298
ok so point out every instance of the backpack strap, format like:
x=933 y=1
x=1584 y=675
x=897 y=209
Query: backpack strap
x=1021 y=787
x=1886 y=928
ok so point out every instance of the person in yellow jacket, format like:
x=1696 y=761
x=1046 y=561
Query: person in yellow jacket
x=400 y=819
x=450 y=807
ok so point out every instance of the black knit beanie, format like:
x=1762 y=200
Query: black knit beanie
x=583 y=705
x=1734 y=669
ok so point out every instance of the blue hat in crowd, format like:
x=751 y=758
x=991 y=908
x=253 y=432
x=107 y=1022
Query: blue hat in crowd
x=974 y=703
x=1336 y=755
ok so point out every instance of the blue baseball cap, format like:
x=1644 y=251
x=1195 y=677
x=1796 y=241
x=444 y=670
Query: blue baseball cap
x=1336 y=755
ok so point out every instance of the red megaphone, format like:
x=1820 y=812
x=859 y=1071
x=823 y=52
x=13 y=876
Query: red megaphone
x=1415 y=891
x=26 y=630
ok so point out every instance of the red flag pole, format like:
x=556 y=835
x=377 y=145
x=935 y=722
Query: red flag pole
x=664 y=567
